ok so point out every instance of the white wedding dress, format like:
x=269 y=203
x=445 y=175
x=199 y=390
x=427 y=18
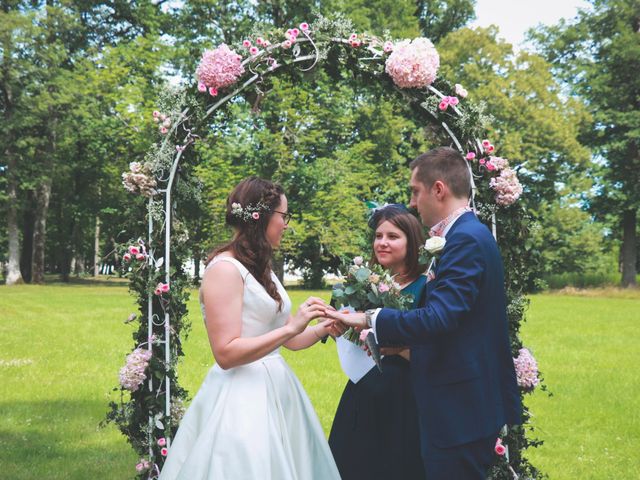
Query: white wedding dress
x=255 y=421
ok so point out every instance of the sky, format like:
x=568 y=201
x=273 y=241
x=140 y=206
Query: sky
x=515 y=17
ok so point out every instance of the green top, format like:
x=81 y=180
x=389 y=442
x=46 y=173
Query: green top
x=416 y=288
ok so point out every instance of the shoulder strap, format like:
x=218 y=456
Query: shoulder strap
x=243 y=270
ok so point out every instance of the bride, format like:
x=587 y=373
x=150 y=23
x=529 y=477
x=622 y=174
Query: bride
x=251 y=418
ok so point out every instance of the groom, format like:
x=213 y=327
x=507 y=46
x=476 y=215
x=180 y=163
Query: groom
x=462 y=370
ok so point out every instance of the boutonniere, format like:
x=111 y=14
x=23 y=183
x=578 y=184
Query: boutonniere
x=430 y=252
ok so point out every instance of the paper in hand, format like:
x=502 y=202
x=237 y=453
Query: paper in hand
x=374 y=349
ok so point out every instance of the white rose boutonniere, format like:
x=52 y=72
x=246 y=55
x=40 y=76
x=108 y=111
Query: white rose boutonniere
x=434 y=245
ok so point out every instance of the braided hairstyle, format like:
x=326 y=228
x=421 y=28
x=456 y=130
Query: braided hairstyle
x=249 y=245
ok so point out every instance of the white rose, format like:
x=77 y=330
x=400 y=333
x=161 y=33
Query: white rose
x=460 y=91
x=358 y=261
x=434 y=245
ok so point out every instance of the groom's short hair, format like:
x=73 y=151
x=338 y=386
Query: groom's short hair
x=447 y=165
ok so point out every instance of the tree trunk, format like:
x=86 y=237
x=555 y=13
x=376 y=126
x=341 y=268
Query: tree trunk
x=43 y=195
x=14 y=275
x=26 y=253
x=629 y=249
x=96 y=249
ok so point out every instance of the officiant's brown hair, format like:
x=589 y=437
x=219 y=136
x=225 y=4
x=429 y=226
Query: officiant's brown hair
x=447 y=165
x=399 y=216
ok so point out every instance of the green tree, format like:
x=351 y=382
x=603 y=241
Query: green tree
x=598 y=56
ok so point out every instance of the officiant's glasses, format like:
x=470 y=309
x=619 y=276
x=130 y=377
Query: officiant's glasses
x=286 y=216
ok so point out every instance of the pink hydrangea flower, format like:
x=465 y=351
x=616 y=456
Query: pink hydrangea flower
x=132 y=374
x=500 y=448
x=387 y=47
x=413 y=63
x=202 y=87
x=499 y=163
x=220 y=68
x=526 y=369
x=304 y=26
x=162 y=441
x=471 y=155
x=507 y=187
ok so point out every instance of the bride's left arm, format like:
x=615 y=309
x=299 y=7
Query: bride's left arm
x=313 y=334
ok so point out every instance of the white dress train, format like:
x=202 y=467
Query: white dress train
x=254 y=421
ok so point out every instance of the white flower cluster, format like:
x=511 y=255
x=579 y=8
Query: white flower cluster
x=139 y=180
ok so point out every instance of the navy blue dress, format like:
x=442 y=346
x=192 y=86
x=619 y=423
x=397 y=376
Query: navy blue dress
x=375 y=432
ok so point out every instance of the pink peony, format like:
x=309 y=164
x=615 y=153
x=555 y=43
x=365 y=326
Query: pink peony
x=471 y=155
x=526 y=369
x=387 y=47
x=220 y=68
x=164 y=452
x=304 y=26
x=507 y=187
x=500 y=448
x=413 y=64
x=162 y=441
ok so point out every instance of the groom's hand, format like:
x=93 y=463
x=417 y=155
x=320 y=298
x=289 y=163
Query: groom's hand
x=356 y=320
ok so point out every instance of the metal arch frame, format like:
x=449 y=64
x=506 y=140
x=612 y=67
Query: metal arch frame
x=256 y=77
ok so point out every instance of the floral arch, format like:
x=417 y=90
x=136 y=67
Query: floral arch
x=150 y=405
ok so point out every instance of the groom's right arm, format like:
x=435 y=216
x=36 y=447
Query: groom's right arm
x=457 y=284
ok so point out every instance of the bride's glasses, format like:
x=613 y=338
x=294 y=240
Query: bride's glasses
x=286 y=216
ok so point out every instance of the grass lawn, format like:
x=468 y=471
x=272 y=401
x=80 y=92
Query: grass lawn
x=61 y=347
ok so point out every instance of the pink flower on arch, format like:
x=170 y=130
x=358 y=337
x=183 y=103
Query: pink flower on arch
x=413 y=63
x=443 y=105
x=162 y=441
x=254 y=51
x=213 y=91
x=383 y=287
x=508 y=190
x=255 y=216
x=133 y=250
x=246 y=43
x=353 y=36
x=156 y=114
x=387 y=47
x=453 y=101
x=164 y=452
x=485 y=143
x=286 y=44
x=163 y=130
x=202 y=87
x=500 y=448
x=295 y=32
x=140 y=257
x=304 y=26
x=164 y=287
x=260 y=41
x=126 y=257
x=471 y=155
x=220 y=68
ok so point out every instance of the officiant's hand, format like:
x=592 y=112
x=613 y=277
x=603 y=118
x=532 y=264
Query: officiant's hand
x=356 y=320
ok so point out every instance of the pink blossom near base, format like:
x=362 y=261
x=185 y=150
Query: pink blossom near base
x=133 y=373
x=220 y=68
x=413 y=63
x=500 y=449
x=526 y=369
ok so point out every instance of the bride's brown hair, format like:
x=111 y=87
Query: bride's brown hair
x=249 y=245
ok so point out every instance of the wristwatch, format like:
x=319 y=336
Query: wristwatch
x=368 y=316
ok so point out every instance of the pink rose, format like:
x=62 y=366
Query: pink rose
x=295 y=32
x=254 y=51
x=162 y=441
x=164 y=452
x=387 y=47
x=202 y=87
x=454 y=101
x=156 y=114
x=383 y=288
x=286 y=44
x=140 y=257
x=461 y=91
x=471 y=156
x=356 y=43
x=139 y=467
x=157 y=291
x=486 y=143
x=246 y=43
x=164 y=287
x=490 y=148
x=260 y=41
x=304 y=26
x=163 y=130
x=443 y=106
x=126 y=257
x=364 y=333
x=499 y=448
x=482 y=161
x=490 y=166
x=213 y=91
x=291 y=38
x=255 y=215
x=162 y=116
x=133 y=250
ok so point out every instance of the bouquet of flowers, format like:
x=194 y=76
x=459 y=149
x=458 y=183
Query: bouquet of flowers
x=367 y=287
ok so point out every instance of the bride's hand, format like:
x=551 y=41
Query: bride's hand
x=311 y=308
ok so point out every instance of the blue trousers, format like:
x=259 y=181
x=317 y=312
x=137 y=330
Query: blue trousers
x=470 y=461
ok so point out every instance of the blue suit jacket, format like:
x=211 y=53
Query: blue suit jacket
x=462 y=370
